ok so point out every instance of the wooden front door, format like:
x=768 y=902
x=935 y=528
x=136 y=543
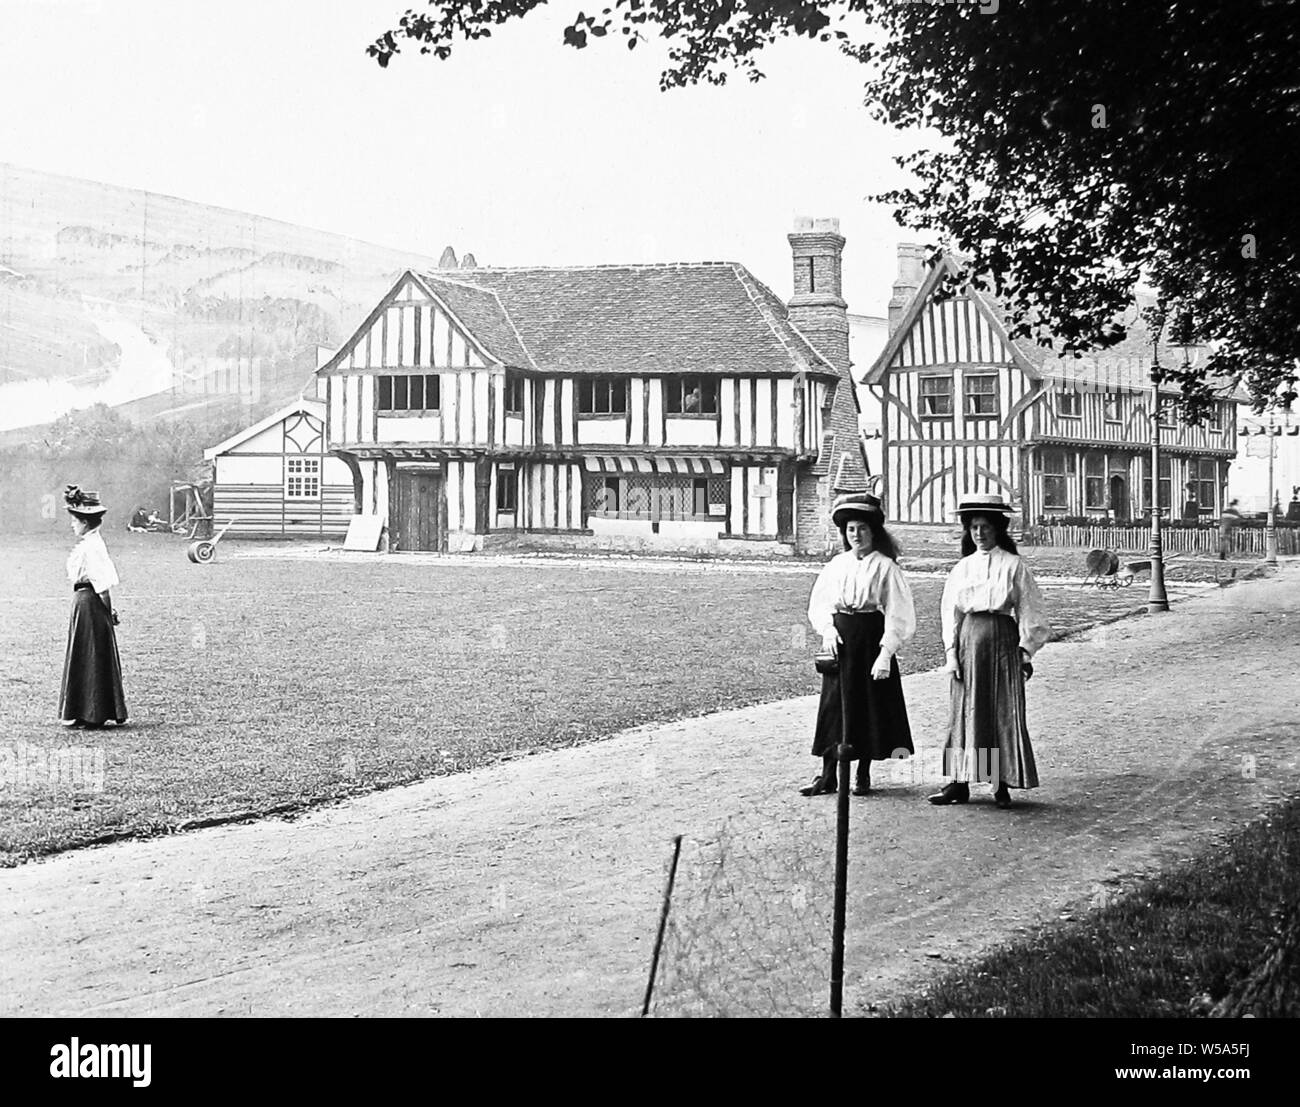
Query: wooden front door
x=418 y=512
x=1119 y=502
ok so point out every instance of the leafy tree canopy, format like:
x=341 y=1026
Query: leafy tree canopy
x=1088 y=148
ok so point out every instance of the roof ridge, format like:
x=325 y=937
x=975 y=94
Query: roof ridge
x=751 y=284
x=436 y=273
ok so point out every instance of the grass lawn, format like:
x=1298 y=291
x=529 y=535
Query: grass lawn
x=262 y=684
x=1221 y=925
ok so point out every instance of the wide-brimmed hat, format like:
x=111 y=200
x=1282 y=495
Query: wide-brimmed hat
x=983 y=503
x=82 y=502
x=855 y=504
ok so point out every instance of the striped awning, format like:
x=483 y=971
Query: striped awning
x=678 y=466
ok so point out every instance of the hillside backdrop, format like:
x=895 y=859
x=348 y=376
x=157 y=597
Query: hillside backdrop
x=137 y=329
x=163 y=308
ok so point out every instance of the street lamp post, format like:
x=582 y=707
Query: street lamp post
x=1270 y=528
x=1157 y=600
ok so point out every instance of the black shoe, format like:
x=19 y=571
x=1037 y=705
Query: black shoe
x=862 y=783
x=821 y=786
x=956 y=792
x=1002 y=797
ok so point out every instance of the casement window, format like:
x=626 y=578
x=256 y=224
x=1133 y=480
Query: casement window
x=1207 y=481
x=1214 y=420
x=514 y=394
x=302 y=478
x=981 y=391
x=1164 y=482
x=1069 y=405
x=1110 y=407
x=1094 y=482
x=1058 y=469
x=506 y=484
x=633 y=496
x=602 y=396
x=691 y=395
x=936 y=397
x=410 y=393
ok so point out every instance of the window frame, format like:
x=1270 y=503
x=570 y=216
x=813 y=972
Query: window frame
x=625 y=488
x=1050 y=477
x=922 y=396
x=1109 y=400
x=1076 y=399
x=387 y=383
x=1095 y=462
x=313 y=474
x=507 y=481
x=967 y=395
x=589 y=389
x=675 y=393
x=513 y=391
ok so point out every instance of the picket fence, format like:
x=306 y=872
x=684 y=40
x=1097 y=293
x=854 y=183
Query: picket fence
x=1245 y=539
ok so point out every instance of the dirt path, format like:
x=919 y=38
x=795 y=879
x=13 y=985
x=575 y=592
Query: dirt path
x=534 y=888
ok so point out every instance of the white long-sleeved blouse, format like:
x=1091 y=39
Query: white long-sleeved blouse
x=994 y=581
x=870 y=583
x=89 y=561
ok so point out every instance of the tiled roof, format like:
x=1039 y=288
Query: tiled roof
x=708 y=317
x=486 y=320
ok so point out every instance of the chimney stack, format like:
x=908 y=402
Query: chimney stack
x=911 y=273
x=817 y=307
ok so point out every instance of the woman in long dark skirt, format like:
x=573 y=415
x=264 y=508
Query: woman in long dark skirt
x=91 y=694
x=862 y=608
x=994 y=622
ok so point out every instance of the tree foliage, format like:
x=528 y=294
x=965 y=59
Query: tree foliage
x=1087 y=148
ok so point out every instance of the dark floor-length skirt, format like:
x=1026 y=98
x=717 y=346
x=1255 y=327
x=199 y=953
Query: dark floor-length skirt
x=92 y=673
x=877 y=726
x=988 y=736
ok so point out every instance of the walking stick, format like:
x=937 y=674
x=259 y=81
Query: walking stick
x=663 y=922
x=842 y=753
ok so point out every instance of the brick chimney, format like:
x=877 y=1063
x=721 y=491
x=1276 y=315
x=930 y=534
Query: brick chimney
x=817 y=307
x=911 y=272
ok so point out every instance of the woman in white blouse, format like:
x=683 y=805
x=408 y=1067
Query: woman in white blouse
x=861 y=607
x=92 y=673
x=994 y=622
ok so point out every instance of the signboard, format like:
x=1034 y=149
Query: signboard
x=762 y=490
x=364 y=532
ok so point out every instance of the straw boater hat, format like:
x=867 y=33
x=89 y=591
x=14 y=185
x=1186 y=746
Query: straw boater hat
x=855 y=505
x=983 y=503
x=83 y=503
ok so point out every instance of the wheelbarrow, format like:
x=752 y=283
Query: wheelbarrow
x=203 y=550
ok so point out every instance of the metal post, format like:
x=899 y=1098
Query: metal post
x=1270 y=530
x=663 y=922
x=1157 y=600
x=841 y=874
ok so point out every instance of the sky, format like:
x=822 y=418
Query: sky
x=518 y=149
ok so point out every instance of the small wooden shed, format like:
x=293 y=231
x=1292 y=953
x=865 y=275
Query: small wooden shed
x=278 y=480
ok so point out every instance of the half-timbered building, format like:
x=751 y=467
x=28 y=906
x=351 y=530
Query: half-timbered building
x=679 y=405
x=964 y=407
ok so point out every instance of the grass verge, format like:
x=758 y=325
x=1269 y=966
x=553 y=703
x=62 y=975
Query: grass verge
x=1219 y=929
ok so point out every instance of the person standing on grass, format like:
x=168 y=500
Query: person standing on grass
x=861 y=607
x=994 y=621
x=91 y=694
x=1228 y=522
